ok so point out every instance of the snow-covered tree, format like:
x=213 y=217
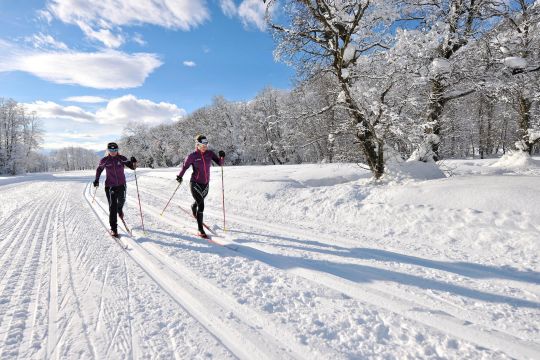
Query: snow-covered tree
x=20 y=136
x=330 y=36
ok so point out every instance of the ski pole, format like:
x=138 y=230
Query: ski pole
x=170 y=199
x=223 y=195
x=140 y=207
x=94 y=197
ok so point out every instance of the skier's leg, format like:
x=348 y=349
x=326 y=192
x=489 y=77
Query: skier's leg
x=121 y=199
x=198 y=193
x=108 y=192
x=113 y=206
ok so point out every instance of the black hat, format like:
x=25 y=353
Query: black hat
x=112 y=146
x=201 y=139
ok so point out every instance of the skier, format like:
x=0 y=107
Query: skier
x=115 y=183
x=200 y=160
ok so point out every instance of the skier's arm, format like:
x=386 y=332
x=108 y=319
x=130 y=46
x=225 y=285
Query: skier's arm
x=218 y=160
x=129 y=163
x=187 y=163
x=100 y=168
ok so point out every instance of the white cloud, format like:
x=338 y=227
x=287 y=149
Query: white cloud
x=189 y=63
x=86 y=99
x=129 y=108
x=101 y=70
x=42 y=41
x=105 y=36
x=51 y=110
x=228 y=7
x=45 y=15
x=118 y=112
x=253 y=12
x=138 y=38
x=74 y=126
x=107 y=14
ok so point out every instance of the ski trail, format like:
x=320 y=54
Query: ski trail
x=10 y=246
x=98 y=322
x=134 y=351
x=74 y=291
x=52 y=329
x=247 y=336
x=244 y=337
x=22 y=285
x=38 y=311
x=443 y=319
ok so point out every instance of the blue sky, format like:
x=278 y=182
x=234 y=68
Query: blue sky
x=87 y=67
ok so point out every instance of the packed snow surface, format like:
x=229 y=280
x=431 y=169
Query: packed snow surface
x=317 y=262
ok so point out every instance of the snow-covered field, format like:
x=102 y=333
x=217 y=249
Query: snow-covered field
x=328 y=266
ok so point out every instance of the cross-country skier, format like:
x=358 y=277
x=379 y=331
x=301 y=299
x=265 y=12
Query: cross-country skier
x=115 y=183
x=200 y=160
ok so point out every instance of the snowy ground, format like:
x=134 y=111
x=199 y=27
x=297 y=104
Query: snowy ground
x=328 y=266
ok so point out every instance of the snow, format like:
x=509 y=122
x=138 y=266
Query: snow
x=329 y=265
x=440 y=66
x=516 y=159
x=515 y=62
x=349 y=53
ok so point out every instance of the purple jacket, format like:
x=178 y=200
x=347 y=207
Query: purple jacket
x=114 y=169
x=201 y=165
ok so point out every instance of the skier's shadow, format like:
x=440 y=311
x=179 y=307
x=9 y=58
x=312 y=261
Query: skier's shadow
x=366 y=274
x=181 y=241
x=471 y=270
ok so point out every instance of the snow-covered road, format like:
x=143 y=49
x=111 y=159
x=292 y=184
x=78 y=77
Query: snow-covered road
x=324 y=269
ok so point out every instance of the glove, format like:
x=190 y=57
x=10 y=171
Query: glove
x=96 y=183
x=133 y=160
x=221 y=153
x=179 y=179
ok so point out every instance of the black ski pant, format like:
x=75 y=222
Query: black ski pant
x=199 y=192
x=116 y=196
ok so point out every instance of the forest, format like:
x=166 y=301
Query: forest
x=426 y=80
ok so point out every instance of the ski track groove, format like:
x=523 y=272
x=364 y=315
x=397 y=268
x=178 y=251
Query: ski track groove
x=28 y=335
x=12 y=264
x=52 y=326
x=101 y=300
x=115 y=308
x=132 y=334
x=52 y=226
x=9 y=243
x=251 y=342
x=28 y=340
x=80 y=313
x=383 y=295
x=252 y=318
x=14 y=331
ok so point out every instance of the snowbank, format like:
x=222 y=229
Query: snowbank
x=516 y=159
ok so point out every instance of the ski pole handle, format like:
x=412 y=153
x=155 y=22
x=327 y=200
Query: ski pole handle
x=170 y=199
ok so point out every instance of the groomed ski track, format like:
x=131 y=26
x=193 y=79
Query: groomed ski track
x=68 y=290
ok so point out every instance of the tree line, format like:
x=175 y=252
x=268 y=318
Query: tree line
x=20 y=140
x=428 y=80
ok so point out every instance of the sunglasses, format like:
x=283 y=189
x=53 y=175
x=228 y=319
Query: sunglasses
x=113 y=150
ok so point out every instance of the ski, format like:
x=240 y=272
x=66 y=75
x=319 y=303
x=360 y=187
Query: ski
x=118 y=241
x=128 y=230
x=205 y=226
x=217 y=240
